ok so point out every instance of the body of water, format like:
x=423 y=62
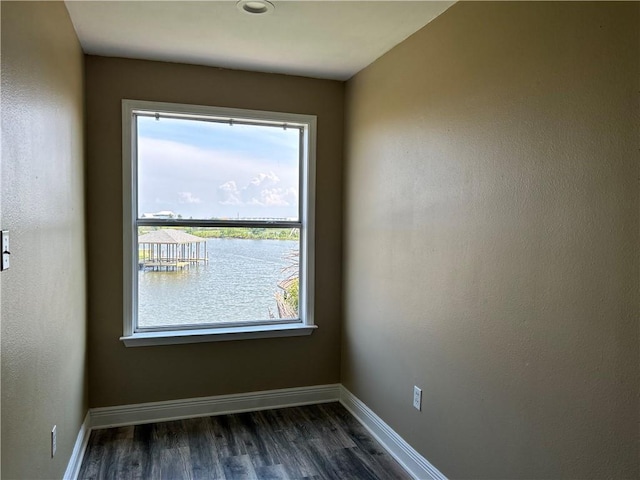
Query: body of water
x=238 y=284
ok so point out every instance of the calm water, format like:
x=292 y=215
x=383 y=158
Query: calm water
x=238 y=284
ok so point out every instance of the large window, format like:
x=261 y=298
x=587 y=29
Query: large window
x=218 y=223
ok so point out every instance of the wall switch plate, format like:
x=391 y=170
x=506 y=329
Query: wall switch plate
x=53 y=441
x=4 y=249
x=417 y=398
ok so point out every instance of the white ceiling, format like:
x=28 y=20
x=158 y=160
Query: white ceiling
x=323 y=39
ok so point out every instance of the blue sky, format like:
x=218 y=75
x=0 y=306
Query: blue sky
x=214 y=170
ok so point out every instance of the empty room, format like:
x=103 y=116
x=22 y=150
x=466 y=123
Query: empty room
x=320 y=239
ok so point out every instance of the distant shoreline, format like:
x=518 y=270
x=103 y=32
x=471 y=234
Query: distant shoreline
x=243 y=233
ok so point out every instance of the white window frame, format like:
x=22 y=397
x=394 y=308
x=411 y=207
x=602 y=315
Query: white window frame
x=166 y=336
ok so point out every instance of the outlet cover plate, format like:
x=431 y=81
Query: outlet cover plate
x=417 y=398
x=53 y=440
x=4 y=249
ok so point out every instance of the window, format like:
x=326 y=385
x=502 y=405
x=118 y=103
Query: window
x=218 y=209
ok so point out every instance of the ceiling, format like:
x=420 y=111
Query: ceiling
x=323 y=39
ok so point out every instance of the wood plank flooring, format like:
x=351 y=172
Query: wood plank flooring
x=310 y=442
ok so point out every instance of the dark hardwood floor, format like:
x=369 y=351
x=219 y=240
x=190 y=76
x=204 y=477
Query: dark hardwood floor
x=313 y=442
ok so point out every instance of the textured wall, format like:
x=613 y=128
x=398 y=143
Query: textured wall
x=43 y=293
x=491 y=239
x=121 y=375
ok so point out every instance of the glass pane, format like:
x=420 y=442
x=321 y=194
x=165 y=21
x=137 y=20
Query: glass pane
x=205 y=170
x=195 y=276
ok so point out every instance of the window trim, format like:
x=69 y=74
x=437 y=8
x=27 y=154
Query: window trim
x=167 y=336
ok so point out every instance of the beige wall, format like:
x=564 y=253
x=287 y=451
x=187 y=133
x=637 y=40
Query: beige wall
x=43 y=293
x=491 y=240
x=121 y=375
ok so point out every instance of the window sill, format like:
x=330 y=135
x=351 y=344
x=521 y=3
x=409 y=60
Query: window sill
x=176 y=337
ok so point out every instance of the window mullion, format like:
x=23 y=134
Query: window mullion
x=154 y=222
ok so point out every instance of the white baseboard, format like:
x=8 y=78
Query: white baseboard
x=398 y=448
x=208 y=406
x=415 y=464
x=73 y=467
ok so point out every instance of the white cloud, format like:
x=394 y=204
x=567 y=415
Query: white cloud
x=274 y=197
x=187 y=197
x=269 y=178
x=231 y=193
x=255 y=193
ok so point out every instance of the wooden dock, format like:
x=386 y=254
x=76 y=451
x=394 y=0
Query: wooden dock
x=172 y=264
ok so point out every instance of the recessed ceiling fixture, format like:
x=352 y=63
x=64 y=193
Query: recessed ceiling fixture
x=255 y=7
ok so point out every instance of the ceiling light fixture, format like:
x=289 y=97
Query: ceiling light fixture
x=255 y=7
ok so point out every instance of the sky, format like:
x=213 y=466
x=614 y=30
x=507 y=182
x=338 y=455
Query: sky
x=205 y=170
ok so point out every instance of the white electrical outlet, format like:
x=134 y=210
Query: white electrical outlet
x=53 y=441
x=417 y=398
